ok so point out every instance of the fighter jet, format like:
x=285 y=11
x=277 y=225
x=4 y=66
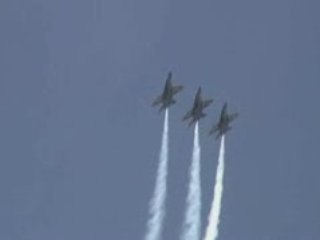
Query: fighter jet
x=223 y=125
x=196 y=112
x=166 y=99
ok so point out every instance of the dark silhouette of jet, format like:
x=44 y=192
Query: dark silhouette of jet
x=166 y=99
x=196 y=113
x=223 y=125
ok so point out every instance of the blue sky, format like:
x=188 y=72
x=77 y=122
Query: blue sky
x=79 y=141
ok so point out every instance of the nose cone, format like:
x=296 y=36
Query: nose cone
x=168 y=80
x=225 y=105
x=199 y=91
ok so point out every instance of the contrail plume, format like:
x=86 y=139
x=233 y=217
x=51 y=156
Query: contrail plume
x=192 y=222
x=157 y=203
x=214 y=216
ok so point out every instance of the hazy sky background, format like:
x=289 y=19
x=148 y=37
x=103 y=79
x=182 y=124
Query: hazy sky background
x=79 y=141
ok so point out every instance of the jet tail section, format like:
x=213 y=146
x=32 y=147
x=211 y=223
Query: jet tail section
x=223 y=132
x=192 y=122
x=163 y=107
x=166 y=105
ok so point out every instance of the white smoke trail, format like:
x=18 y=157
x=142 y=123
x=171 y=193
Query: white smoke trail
x=192 y=222
x=157 y=203
x=214 y=216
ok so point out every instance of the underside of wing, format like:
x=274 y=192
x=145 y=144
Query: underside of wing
x=233 y=116
x=157 y=101
x=214 y=129
x=206 y=103
x=187 y=116
x=176 y=89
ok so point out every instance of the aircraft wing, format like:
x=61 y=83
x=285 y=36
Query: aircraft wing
x=187 y=116
x=214 y=129
x=206 y=103
x=233 y=116
x=176 y=89
x=157 y=101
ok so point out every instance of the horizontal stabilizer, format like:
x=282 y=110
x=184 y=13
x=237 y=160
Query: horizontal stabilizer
x=162 y=108
x=192 y=122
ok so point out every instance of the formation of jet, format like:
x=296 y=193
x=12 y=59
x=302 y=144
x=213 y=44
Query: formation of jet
x=223 y=125
x=166 y=98
x=196 y=113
